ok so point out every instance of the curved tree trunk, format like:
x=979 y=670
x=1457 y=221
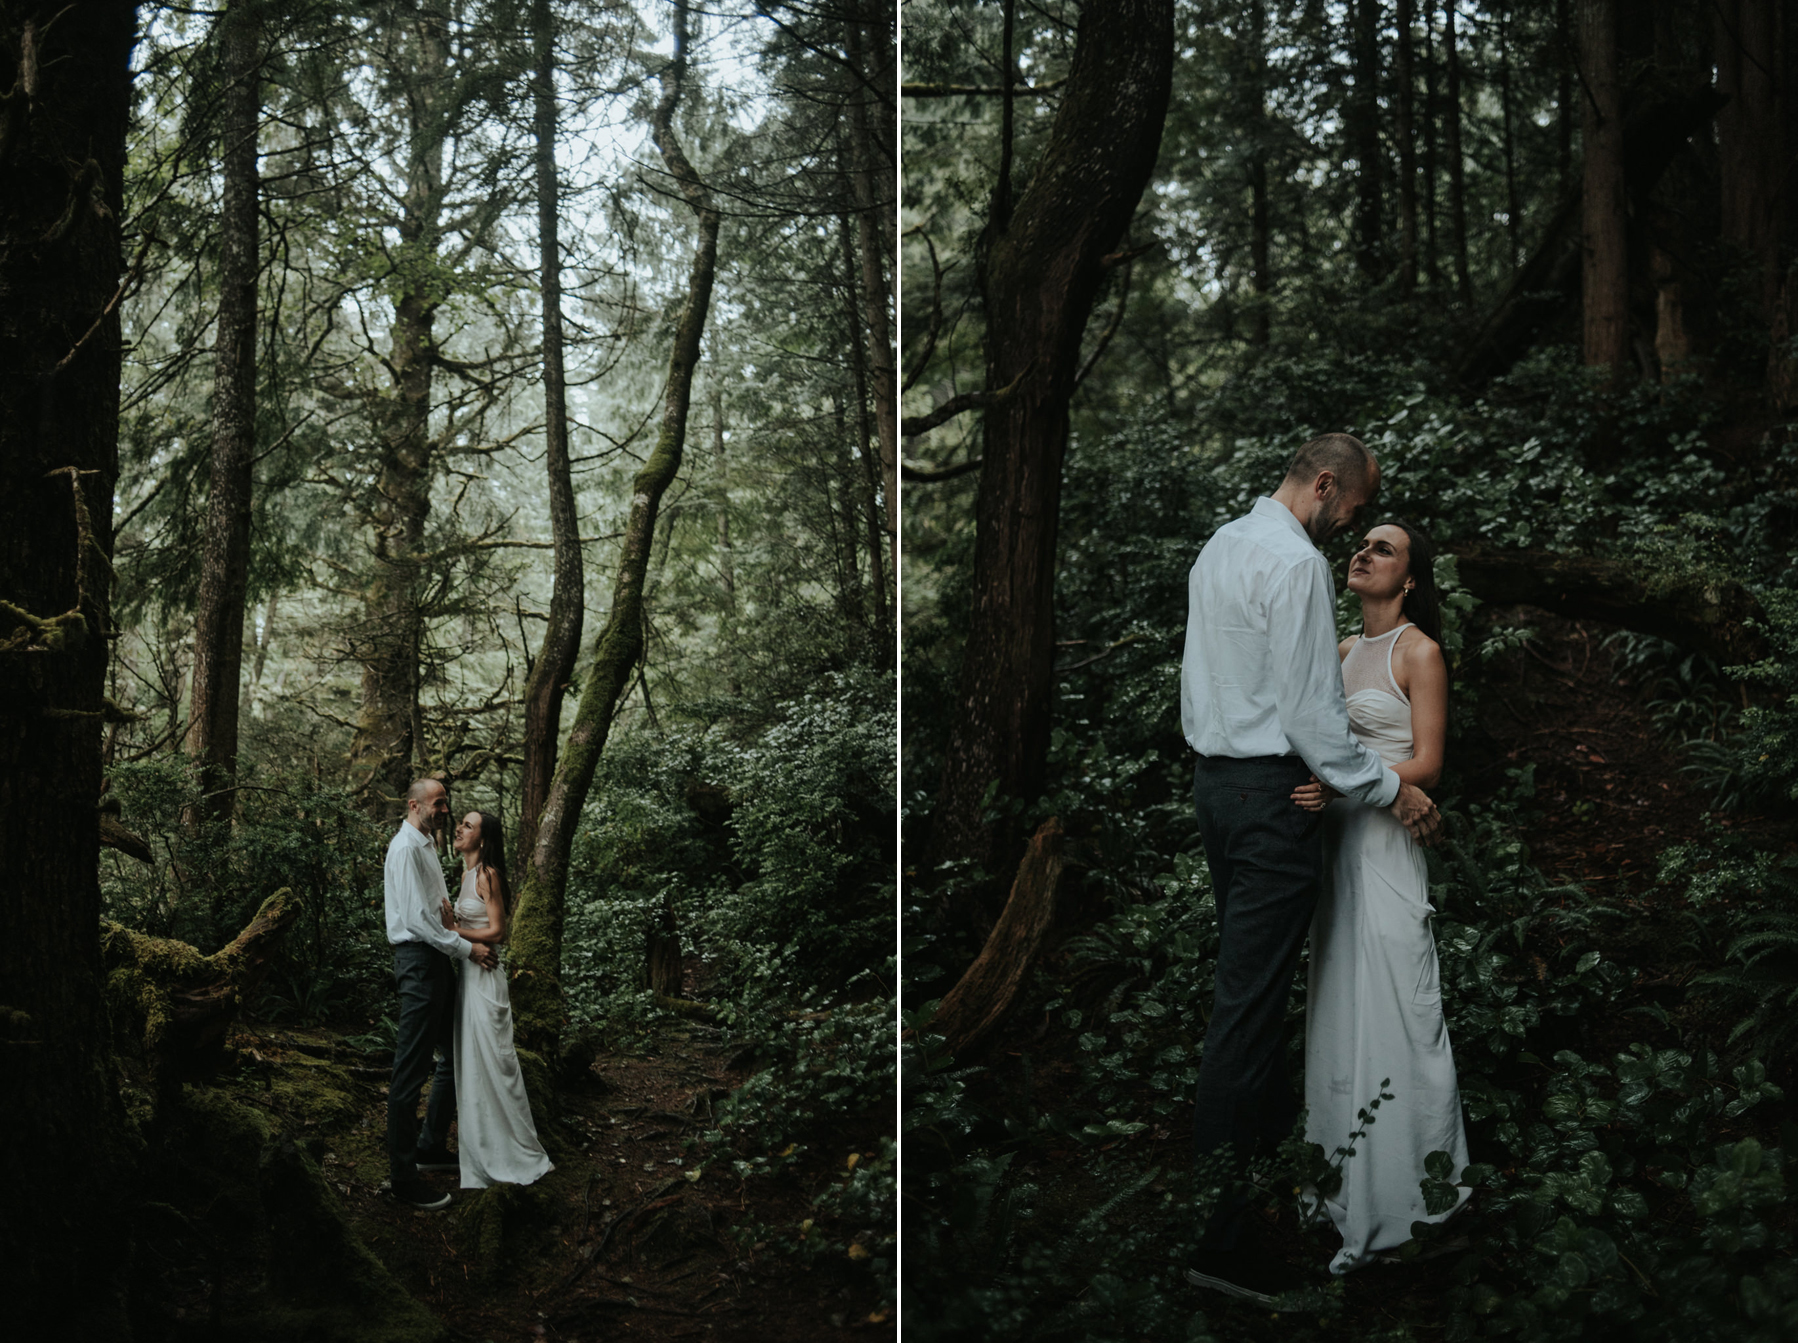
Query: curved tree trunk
x=984 y=995
x=538 y=925
x=562 y=640
x=64 y=1162
x=212 y=739
x=1043 y=268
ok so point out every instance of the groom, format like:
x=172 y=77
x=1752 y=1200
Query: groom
x=1262 y=702
x=425 y=973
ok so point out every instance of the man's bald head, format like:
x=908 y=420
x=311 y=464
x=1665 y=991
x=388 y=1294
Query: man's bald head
x=427 y=804
x=1343 y=455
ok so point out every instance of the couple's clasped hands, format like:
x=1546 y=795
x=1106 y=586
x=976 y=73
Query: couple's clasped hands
x=479 y=952
x=1411 y=807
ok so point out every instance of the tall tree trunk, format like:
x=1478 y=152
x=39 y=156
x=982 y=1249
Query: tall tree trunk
x=65 y=1162
x=212 y=736
x=538 y=927
x=1409 y=165
x=1261 y=280
x=1753 y=45
x=1565 y=96
x=1365 y=137
x=1514 y=247
x=1434 y=278
x=879 y=588
x=386 y=745
x=1605 y=333
x=874 y=199
x=1459 y=222
x=562 y=640
x=727 y=566
x=1041 y=272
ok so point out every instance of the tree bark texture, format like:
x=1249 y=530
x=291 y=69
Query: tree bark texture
x=389 y=644
x=1409 y=163
x=212 y=738
x=1365 y=137
x=1041 y=274
x=538 y=925
x=1706 y=615
x=1753 y=46
x=1262 y=281
x=64 y=1162
x=984 y=995
x=1605 y=284
x=880 y=555
x=549 y=679
x=871 y=181
x=1453 y=150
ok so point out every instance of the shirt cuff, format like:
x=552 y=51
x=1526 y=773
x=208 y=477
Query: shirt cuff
x=1391 y=793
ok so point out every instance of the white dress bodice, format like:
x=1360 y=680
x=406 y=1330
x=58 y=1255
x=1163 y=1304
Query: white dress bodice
x=1380 y=713
x=471 y=909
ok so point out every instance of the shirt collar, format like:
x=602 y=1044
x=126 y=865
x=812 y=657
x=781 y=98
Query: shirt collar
x=1266 y=507
x=414 y=835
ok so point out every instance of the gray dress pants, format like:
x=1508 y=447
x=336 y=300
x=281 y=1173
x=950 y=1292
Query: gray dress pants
x=1265 y=855
x=427 y=982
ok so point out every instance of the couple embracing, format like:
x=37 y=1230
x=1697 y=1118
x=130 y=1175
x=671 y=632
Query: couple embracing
x=1313 y=757
x=453 y=1000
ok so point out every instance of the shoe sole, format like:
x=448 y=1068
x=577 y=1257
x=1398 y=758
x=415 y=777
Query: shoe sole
x=443 y=1202
x=440 y=1166
x=1438 y=1251
x=1198 y=1279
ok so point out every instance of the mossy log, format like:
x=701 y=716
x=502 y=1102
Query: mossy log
x=1707 y=614
x=171 y=1007
x=984 y=995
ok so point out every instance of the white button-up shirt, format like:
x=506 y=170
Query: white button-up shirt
x=1260 y=673
x=413 y=885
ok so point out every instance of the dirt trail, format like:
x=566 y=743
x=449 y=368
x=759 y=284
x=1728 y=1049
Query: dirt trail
x=629 y=1237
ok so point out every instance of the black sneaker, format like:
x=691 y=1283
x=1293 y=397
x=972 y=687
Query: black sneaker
x=1248 y=1275
x=438 y=1158
x=420 y=1195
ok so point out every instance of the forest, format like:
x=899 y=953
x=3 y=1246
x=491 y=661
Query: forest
x=492 y=392
x=1539 y=257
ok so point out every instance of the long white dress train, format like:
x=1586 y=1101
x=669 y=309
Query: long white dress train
x=1374 y=1008
x=496 y=1140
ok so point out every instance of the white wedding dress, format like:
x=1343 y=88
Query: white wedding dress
x=496 y=1140
x=1374 y=1009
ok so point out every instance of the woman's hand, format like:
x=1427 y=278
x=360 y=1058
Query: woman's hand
x=1313 y=796
x=447 y=914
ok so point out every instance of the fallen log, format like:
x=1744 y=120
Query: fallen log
x=1703 y=614
x=985 y=994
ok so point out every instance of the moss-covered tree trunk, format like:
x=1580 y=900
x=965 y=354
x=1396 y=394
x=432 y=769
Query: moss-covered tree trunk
x=225 y=568
x=562 y=640
x=1605 y=323
x=65 y=1167
x=1044 y=266
x=538 y=925
x=390 y=639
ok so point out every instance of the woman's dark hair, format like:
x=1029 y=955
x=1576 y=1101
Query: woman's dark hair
x=1419 y=606
x=493 y=854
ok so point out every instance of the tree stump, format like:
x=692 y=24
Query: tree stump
x=985 y=993
x=171 y=1007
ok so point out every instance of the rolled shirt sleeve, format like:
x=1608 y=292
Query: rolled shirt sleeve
x=1309 y=689
x=413 y=887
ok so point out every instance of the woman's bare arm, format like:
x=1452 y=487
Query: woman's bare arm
x=495 y=932
x=1422 y=675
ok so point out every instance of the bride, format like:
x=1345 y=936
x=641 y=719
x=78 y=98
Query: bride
x=497 y=1142
x=1374 y=1012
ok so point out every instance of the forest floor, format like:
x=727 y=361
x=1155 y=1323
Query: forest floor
x=632 y=1235
x=1610 y=797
